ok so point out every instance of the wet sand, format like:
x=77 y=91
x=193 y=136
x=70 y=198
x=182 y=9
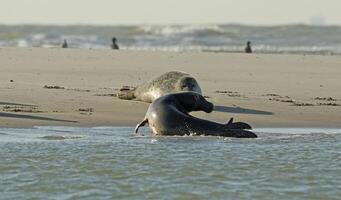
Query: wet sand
x=78 y=87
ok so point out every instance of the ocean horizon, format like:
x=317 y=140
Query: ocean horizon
x=281 y=39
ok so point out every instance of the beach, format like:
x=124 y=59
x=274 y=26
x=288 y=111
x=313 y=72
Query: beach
x=78 y=87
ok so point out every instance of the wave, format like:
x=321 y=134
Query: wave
x=181 y=29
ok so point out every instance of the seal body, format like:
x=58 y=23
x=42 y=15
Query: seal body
x=170 y=82
x=169 y=115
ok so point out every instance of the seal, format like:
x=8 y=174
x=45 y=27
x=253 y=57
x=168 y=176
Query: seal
x=248 y=47
x=169 y=116
x=65 y=45
x=170 y=82
x=114 y=45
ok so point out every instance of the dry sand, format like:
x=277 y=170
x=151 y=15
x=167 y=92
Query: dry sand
x=263 y=90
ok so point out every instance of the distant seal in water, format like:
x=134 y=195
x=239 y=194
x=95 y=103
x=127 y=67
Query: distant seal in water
x=65 y=45
x=114 y=44
x=248 y=47
x=168 y=115
x=174 y=81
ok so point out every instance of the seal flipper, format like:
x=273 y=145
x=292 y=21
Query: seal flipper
x=126 y=93
x=237 y=125
x=140 y=124
x=229 y=123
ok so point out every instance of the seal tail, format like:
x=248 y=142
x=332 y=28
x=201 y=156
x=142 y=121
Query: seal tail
x=140 y=124
x=126 y=93
x=237 y=125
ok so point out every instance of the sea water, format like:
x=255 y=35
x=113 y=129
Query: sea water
x=112 y=163
x=295 y=39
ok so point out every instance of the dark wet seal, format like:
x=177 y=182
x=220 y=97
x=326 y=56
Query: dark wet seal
x=169 y=116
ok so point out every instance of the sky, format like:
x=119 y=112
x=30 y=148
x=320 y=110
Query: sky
x=119 y=12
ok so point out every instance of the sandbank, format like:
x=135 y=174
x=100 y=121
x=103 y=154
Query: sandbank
x=77 y=87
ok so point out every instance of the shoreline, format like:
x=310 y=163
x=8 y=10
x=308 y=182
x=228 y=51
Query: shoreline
x=265 y=90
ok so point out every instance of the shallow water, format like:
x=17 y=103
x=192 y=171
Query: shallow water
x=111 y=163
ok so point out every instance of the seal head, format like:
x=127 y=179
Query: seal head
x=191 y=101
x=188 y=83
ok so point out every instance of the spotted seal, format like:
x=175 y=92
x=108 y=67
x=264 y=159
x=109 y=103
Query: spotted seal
x=169 y=115
x=169 y=82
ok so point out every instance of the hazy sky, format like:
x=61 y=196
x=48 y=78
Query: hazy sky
x=110 y=12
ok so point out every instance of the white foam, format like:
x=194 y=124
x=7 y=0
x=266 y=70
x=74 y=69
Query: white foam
x=22 y=43
x=180 y=29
